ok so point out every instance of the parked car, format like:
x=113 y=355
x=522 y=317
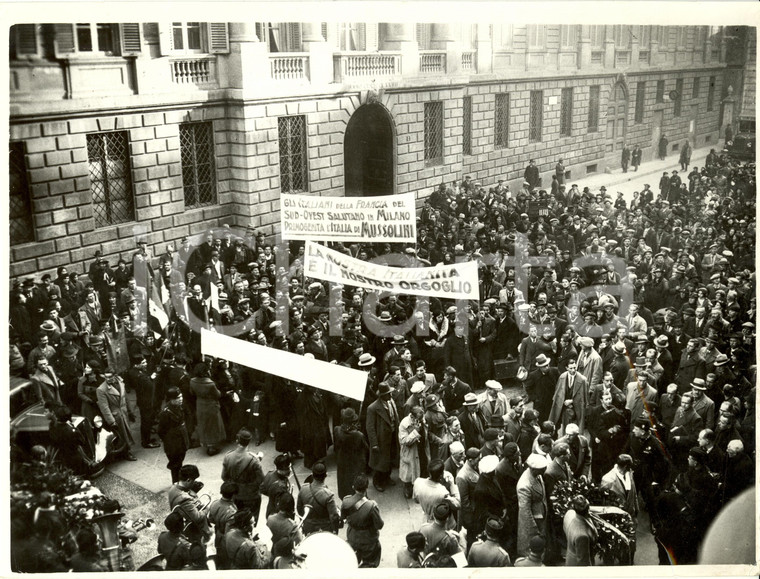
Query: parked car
x=741 y=147
x=30 y=426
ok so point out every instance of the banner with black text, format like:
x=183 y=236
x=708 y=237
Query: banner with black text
x=391 y=218
x=456 y=281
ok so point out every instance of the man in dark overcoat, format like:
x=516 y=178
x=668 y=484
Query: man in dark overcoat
x=382 y=430
x=172 y=430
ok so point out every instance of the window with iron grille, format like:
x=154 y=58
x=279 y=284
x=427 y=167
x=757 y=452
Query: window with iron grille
x=679 y=97
x=536 y=123
x=660 y=94
x=20 y=226
x=695 y=88
x=196 y=142
x=641 y=88
x=566 y=113
x=294 y=174
x=110 y=178
x=711 y=94
x=501 y=129
x=467 y=126
x=434 y=133
x=593 y=109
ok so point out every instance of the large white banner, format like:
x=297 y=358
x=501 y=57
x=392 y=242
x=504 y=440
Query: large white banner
x=389 y=219
x=456 y=281
x=331 y=377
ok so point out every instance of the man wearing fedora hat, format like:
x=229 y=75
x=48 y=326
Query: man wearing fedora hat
x=703 y=405
x=350 y=450
x=382 y=427
x=473 y=424
x=540 y=385
x=690 y=365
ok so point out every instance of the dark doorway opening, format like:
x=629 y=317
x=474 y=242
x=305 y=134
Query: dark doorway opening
x=368 y=152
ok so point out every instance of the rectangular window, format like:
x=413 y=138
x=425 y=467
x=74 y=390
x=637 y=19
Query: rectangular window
x=695 y=88
x=196 y=142
x=621 y=34
x=20 y=226
x=678 y=99
x=294 y=175
x=186 y=36
x=467 y=126
x=536 y=36
x=110 y=178
x=93 y=37
x=566 y=113
x=351 y=36
x=23 y=40
x=663 y=37
x=501 y=126
x=644 y=33
x=536 y=121
x=433 y=116
x=568 y=36
x=503 y=36
x=596 y=33
x=682 y=36
x=640 y=93
x=711 y=94
x=660 y=95
x=593 y=109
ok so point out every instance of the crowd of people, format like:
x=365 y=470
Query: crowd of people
x=651 y=398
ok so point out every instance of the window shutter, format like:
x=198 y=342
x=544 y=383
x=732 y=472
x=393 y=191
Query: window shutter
x=370 y=37
x=323 y=28
x=218 y=39
x=294 y=37
x=165 y=38
x=130 y=43
x=25 y=36
x=64 y=39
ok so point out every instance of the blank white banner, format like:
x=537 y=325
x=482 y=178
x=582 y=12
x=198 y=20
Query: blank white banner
x=323 y=375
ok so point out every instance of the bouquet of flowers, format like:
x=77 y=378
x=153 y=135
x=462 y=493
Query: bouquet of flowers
x=616 y=528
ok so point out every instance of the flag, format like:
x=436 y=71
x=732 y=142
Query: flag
x=156 y=307
x=116 y=350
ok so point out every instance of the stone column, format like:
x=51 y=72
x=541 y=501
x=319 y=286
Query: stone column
x=484 y=49
x=248 y=62
x=400 y=37
x=320 y=54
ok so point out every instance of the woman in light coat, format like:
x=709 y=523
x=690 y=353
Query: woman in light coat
x=414 y=453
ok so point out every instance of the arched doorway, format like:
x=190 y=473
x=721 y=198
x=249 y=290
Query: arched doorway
x=368 y=152
x=617 y=112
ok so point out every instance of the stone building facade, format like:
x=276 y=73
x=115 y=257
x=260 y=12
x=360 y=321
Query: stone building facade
x=158 y=131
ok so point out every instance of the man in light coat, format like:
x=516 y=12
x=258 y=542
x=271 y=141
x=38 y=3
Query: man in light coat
x=532 y=503
x=590 y=364
x=112 y=402
x=570 y=399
